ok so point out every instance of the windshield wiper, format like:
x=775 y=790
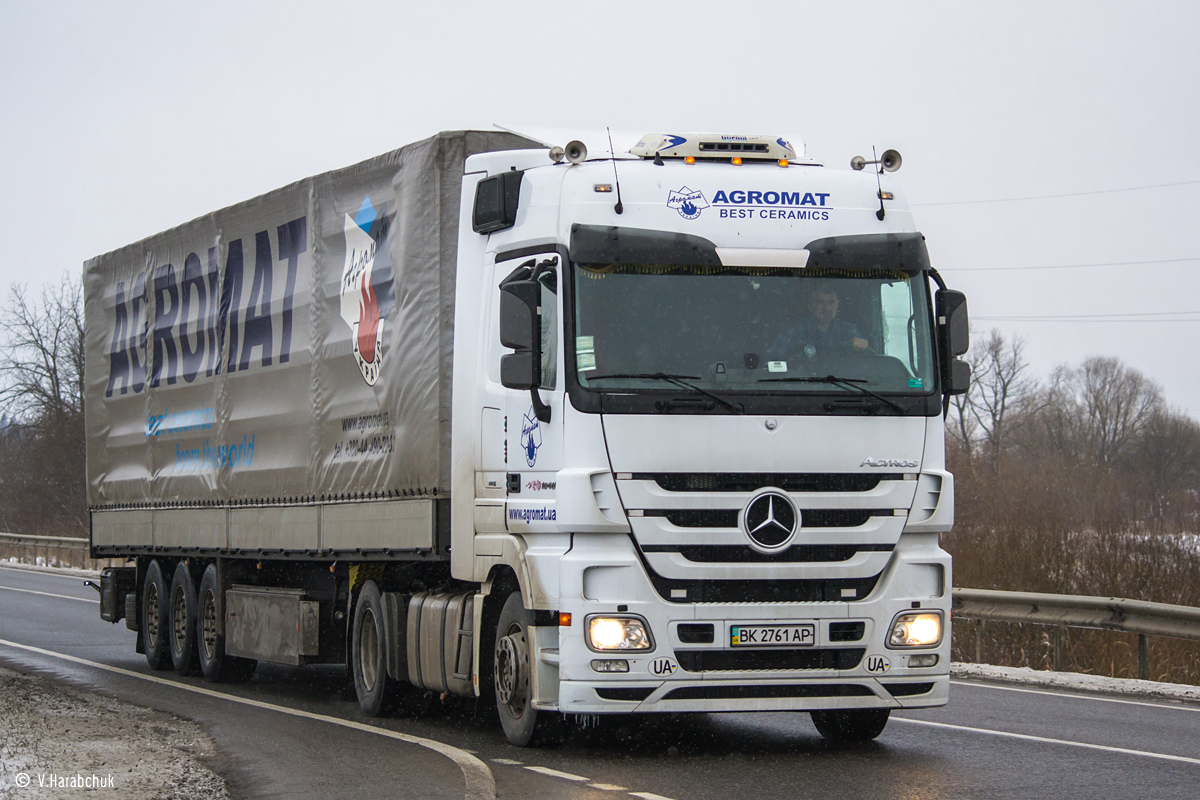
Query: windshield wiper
x=678 y=380
x=846 y=383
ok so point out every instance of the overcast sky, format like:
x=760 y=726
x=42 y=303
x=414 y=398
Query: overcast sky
x=121 y=119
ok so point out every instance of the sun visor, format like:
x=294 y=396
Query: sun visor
x=609 y=244
x=875 y=251
x=762 y=257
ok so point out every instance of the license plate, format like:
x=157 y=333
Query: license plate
x=773 y=635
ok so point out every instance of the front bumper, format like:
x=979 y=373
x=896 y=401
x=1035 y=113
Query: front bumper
x=603 y=575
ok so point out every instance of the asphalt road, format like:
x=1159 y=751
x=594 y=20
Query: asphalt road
x=289 y=734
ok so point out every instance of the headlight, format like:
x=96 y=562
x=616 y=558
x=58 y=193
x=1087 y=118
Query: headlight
x=618 y=633
x=916 y=629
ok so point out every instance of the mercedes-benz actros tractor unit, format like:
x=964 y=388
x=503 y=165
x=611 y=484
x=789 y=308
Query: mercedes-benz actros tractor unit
x=648 y=431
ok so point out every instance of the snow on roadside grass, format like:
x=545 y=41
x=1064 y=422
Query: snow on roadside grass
x=58 y=738
x=1076 y=681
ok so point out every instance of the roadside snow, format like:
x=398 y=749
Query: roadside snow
x=57 y=741
x=1076 y=681
x=74 y=572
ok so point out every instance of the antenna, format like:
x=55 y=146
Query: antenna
x=619 y=207
x=881 y=213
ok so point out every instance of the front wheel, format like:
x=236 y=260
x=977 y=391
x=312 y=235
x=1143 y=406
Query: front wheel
x=851 y=724
x=523 y=724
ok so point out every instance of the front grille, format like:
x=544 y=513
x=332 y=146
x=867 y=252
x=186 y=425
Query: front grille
x=753 y=481
x=846 y=631
x=908 y=689
x=728 y=518
x=735 y=660
x=765 y=591
x=634 y=694
x=697 y=517
x=740 y=554
x=695 y=632
x=747 y=692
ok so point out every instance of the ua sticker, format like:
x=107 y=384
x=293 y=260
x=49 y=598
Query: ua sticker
x=878 y=664
x=662 y=667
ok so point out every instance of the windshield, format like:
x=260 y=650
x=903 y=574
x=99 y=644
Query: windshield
x=733 y=330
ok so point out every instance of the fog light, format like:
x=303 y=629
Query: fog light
x=618 y=633
x=916 y=629
x=614 y=665
x=929 y=660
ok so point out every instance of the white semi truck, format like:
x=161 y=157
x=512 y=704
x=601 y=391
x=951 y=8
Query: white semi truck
x=647 y=431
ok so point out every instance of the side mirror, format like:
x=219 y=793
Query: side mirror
x=520 y=329
x=954 y=339
x=953 y=325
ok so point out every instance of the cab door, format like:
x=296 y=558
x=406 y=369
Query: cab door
x=535 y=445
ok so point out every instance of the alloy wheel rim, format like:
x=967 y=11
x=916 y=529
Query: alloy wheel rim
x=152 y=615
x=208 y=625
x=368 y=651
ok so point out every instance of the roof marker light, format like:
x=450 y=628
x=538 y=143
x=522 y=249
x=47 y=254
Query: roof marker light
x=736 y=161
x=690 y=160
x=783 y=162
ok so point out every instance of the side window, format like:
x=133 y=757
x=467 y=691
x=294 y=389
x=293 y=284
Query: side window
x=549 y=282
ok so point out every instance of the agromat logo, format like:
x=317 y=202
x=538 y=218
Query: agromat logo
x=368 y=296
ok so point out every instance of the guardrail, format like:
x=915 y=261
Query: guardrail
x=1073 y=611
x=23 y=547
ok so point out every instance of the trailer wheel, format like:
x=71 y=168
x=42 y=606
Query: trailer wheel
x=182 y=632
x=523 y=724
x=156 y=621
x=377 y=694
x=210 y=642
x=851 y=724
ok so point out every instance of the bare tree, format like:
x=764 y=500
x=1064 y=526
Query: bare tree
x=42 y=461
x=41 y=369
x=1118 y=401
x=1002 y=387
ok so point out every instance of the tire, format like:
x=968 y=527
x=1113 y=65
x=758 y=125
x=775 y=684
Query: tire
x=210 y=635
x=156 y=619
x=524 y=725
x=851 y=725
x=377 y=694
x=182 y=632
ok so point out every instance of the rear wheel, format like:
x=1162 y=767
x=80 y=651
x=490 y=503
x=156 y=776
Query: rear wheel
x=156 y=620
x=523 y=724
x=182 y=636
x=377 y=694
x=851 y=724
x=210 y=644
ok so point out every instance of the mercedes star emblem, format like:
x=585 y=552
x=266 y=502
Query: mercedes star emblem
x=770 y=520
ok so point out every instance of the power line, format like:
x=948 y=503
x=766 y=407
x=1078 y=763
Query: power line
x=1054 y=196
x=1073 y=266
x=1147 y=317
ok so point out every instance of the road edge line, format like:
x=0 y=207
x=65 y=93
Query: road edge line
x=1047 y=740
x=480 y=783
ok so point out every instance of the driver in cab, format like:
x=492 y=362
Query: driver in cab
x=821 y=331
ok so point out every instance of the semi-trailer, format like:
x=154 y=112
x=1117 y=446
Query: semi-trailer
x=658 y=430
